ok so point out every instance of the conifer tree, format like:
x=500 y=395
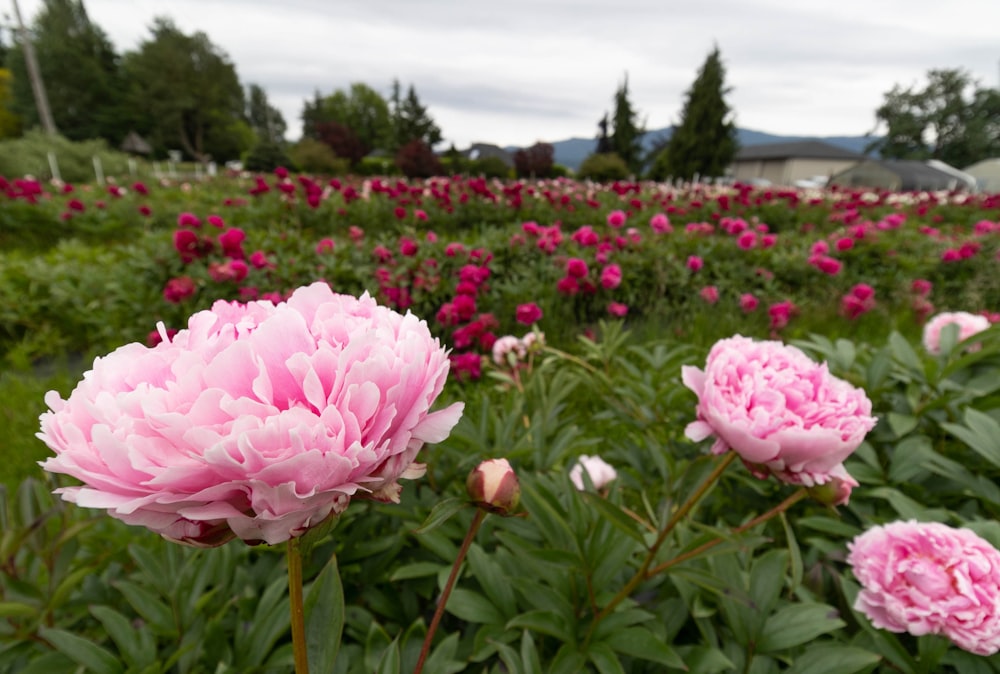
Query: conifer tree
x=704 y=142
x=626 y=136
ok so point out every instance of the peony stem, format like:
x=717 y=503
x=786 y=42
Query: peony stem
x=780 y=508
x=294 y=551
x=681 y=512
x=446 y=592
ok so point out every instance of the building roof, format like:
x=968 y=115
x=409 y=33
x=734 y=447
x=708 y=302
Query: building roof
x=484 y=150
x=802 y=149
x=912 y=174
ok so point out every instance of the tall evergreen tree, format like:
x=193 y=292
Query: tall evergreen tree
x=627 y=131
x=410 y=120
x=265 y=119
x=80 y=70
x=704 y=142
x=603 y=139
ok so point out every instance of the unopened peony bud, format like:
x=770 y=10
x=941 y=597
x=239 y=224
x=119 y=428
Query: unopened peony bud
x=835 y=492
x=599 y=470
x=493 y=485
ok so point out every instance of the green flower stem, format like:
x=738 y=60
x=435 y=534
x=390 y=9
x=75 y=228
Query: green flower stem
x=778 y=509
x=446 y=592
x=680 y=514
x=294 y=551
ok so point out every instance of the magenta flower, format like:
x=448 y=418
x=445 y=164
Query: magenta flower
x=928 y=578
x=611 y=277
x=922 y=287
x=231 y=241
x=694 y=263
x=780 y=313
x=748 y=303
x=660 y=224
x=188 y=220
x=616 y=219
x=618 y=309
x=576 y=267
x=258 y=421
x=710 y=294
x=568 y=285
x=178 y=289
x=968 y=325
x=528 y=313
x=324 y=246
x=782 y=413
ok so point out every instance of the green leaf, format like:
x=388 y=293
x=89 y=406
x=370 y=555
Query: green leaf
x=617 y=517
x=13 y=609
x=121 y=631
x=878 y=370
x=604 y=659
x=568 y=660
x=794 y=553
x=416 y=570
x=639 y=642
x=324 y=615
x=442 y=659
x=796 y=624
x=707 y=660
x=834 y=659
x=529 y=654
x=390 y=662
x=149 y=606
x=543 y=622
x=904 y=354
x=80 y=650
x=472 y=607
x=901 y=424
x=441 y=513
x=980 y=432
x=493 y=581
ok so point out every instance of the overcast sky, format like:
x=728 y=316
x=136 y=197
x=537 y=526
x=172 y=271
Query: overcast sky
x=514 y=71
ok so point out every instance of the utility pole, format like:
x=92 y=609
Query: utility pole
x=37 y=86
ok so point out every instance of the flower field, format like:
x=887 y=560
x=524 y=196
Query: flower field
x=619 y=345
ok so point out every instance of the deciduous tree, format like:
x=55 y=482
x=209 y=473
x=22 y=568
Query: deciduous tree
x=951 y=118
x=80 y=70
x=536 y=161
x=184 y=93
x=704 y=142
x=355 y=121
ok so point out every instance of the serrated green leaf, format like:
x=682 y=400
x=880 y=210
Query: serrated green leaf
x=324 y=616
x=82 y=651
x=834 y=659
x=796 y=624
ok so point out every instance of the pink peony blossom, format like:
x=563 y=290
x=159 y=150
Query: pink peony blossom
x=616 y=219
x=968 y=325
x=710 y=294
x=258 y=421
x=576 y=267
x=929 y=578
x=660 y=224
x=611 y=277
x=748 y=302
x=600 y=472
x=784 y=414
x=694 y=263
x=618 y=309
x=178 y=289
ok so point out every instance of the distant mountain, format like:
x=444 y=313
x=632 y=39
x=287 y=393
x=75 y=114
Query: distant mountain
x=572 y=151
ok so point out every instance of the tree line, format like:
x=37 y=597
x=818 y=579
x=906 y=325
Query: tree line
x=179 y=91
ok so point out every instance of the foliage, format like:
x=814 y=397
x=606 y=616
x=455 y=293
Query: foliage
x=704 y=141
x=416 y=159
x=537 y=161
x=627 y=131
x=409 y=119
x=265 y=120
x=185 y=94
x=951 y=118
x=312 y=156
x=29 y=155
x=79 y=68
x=603 y=167
x=353 y=123
x=488 y=167
x=10 y=123
x=266 y=155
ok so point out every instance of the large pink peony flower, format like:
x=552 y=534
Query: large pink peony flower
x=968 y=325
x=928 y=578
x=257 y=421
x=784 y=414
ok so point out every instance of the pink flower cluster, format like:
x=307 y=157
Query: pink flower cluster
x=967 y=325
x=784 y=414
x=258 y=421
x=858 y=301
x=928 y=578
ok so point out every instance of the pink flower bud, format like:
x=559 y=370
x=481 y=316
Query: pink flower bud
x=493 y=486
